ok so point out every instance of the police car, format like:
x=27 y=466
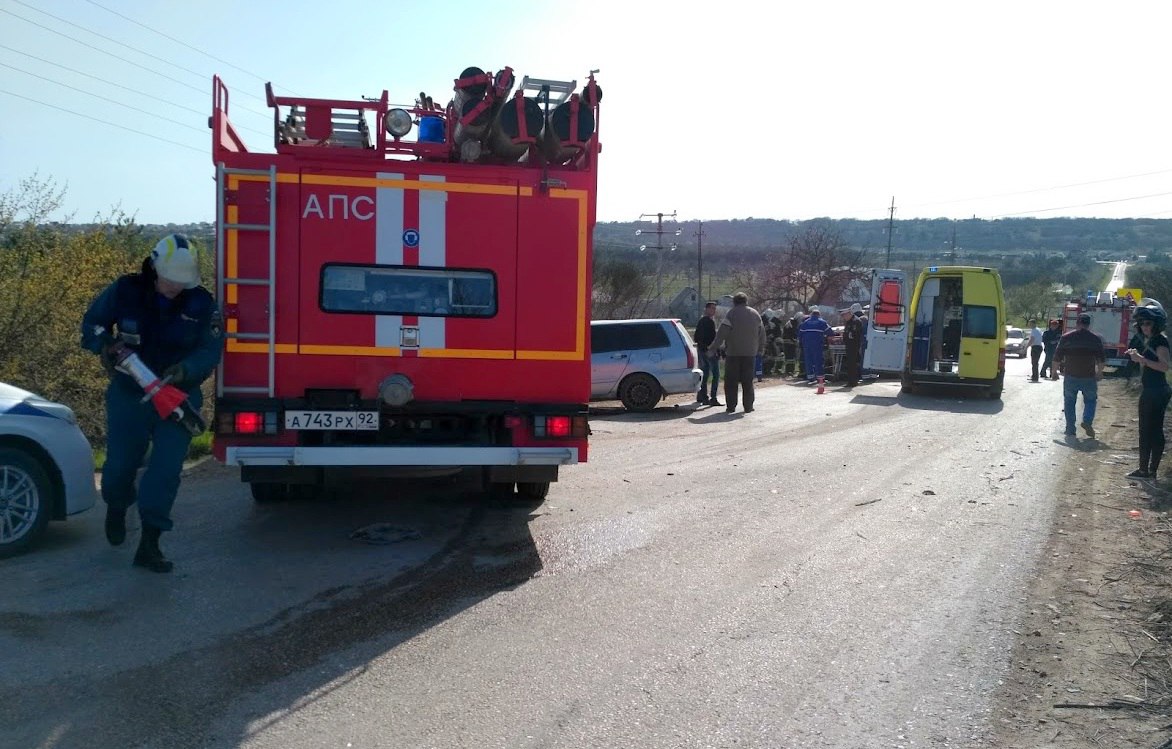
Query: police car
x=46 y=467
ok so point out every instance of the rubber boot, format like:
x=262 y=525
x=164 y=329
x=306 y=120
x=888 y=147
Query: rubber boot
x=1154 y=464
x=115 y=526
x=149 y=555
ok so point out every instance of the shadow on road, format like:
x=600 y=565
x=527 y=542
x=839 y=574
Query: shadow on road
x=194 y=697
x=662 y=413
x=947 y=399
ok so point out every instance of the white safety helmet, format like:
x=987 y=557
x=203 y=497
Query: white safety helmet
x=177 y=260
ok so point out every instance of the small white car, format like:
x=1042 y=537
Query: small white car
x=1015 y=342
x=46 y=467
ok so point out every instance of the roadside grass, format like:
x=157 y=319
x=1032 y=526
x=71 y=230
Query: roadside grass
x=201 y=445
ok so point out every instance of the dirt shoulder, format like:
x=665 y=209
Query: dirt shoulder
x=1092 y=666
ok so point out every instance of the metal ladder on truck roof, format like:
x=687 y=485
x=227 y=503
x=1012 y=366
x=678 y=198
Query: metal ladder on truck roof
x=223 y=280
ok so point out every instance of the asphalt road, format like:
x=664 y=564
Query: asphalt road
x=837 y=570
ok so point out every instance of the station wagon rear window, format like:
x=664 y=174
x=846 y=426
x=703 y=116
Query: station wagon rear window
x=398 y=290
x=627 y=337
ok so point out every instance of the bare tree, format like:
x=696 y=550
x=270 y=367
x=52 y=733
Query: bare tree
x=814 y=266
x=621 y=290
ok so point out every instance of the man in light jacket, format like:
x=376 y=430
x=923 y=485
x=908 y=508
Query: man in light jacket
x=743 y=336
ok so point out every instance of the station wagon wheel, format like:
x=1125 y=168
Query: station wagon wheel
x=26 y=499
x=640 y=392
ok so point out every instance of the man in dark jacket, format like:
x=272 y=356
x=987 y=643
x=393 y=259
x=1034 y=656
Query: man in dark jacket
x=789 y=347
x=1050 y=342
x=710 y=365
x=852 y=339
x=743 y=335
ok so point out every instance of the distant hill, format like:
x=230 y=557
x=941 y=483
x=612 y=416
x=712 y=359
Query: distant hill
x=1109 y=238
x=1077 y=237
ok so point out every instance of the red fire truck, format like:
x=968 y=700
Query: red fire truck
x=1110 y=318
x=407 y=289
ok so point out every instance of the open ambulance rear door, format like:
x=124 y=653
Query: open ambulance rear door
x=887 y=334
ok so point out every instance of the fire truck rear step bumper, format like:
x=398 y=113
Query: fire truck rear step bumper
x=401 y=456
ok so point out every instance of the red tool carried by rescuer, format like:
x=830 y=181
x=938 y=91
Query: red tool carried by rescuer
x=169 y=401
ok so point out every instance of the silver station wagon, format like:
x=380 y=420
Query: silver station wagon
x=641 y=361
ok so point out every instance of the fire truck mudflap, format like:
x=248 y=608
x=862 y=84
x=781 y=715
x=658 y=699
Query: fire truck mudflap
x=406 y=288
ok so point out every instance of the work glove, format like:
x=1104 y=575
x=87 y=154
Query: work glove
x=176 y=373
x=109 y=359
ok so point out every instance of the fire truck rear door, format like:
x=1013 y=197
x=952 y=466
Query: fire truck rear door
x=408 y=264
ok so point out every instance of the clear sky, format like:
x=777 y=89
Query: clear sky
x=787 y=109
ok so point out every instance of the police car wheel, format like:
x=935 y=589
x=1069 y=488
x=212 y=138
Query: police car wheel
x=26 y=501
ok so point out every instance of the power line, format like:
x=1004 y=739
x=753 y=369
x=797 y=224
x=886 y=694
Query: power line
x=1080 y=205
x=91 y=118
x=98 y=96
x=1047 y=189
x=123 y=59
x=184 y=43
x=109 y=39
x=119 y=85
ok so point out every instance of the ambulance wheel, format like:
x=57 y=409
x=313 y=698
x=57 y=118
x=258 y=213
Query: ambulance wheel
x=533 y=490
x=640 y=392
x=264 y=492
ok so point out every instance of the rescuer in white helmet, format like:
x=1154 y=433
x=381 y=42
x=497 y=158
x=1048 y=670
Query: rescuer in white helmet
x=173 y=324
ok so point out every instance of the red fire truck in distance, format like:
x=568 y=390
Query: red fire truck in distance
x=407 y=289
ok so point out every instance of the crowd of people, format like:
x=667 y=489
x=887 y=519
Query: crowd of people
x=753 y=346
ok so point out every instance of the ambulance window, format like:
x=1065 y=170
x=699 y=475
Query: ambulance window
x=397 y=290
x=980 y=322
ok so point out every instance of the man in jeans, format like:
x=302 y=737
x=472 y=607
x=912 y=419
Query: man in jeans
x=1080 y=358
x=743 y=336
x=710 y=365
x=1035 y=344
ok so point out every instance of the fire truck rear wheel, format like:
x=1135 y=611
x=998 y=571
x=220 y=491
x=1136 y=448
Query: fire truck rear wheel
x=535 y=490
x=267 y=491
x=500 y=489
x=640 y=392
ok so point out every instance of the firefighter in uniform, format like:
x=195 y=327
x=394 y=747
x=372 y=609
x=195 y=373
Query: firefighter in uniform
x=173 y=324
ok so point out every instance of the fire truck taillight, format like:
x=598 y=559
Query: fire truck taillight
x=555 y=427
x=247 y=422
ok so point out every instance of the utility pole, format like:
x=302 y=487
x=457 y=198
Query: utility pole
x=890 y=232
x=700 y=269
x=658 y=231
